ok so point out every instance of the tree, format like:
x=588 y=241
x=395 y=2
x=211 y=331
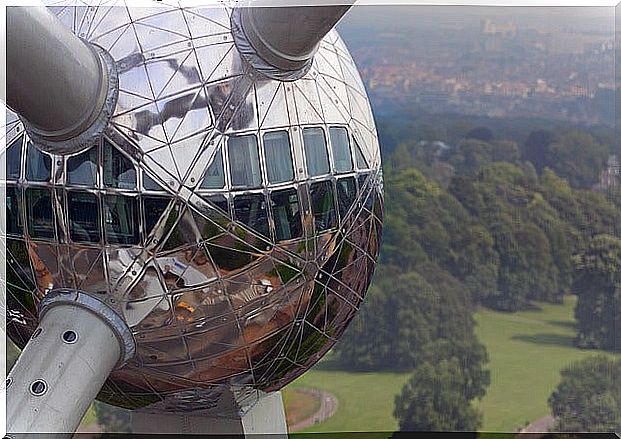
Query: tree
x=476 y=262
x=573 y=154
x=399 y=319
x=536 y=148
x=480 y=133
x=588 y=397
x=577 y=156
x=598 y=285
x=472 y=358
x=470 y=155
x=436 y=398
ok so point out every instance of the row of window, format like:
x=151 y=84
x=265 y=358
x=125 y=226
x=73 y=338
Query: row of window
x=121 y=213
x=243 y=161
x=118 y=170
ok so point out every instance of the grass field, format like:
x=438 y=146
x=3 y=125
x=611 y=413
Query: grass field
x=527 y=351
x=365 y=399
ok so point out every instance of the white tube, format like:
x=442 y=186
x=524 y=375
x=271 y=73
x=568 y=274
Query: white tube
x=60 y=371
x=62 y=87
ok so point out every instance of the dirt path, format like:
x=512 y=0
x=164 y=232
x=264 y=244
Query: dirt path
x=328 y=407
x=542 y=425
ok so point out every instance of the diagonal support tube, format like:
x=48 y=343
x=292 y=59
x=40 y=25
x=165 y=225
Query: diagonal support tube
x=63 y=88
x=78 y=342
x=285 y=38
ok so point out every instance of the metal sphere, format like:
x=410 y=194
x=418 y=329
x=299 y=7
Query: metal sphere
x=232 y=221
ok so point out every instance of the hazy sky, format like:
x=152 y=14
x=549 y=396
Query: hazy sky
x=400 y=17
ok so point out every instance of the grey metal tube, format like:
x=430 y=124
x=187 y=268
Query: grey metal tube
x=55 y=379
x=57 y=83
x=287 y=37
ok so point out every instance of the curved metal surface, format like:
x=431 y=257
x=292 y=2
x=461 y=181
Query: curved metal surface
x=84 y=300
x=277 y=40
x=233 y=269
x=71 y=115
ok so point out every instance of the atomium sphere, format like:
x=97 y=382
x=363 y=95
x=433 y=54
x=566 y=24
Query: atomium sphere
x=233 y=221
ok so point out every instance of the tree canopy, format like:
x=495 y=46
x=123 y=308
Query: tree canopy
x=437 y=399
x=588 y=397
x=474 y=219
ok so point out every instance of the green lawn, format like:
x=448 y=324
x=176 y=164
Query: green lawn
x=527 y=351
x=365 y=399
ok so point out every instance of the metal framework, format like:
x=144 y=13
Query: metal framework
x=230 y=220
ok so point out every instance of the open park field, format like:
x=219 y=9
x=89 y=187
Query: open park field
x=527 y=351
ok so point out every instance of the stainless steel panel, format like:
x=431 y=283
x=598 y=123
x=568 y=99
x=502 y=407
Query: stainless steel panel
x=213 y=304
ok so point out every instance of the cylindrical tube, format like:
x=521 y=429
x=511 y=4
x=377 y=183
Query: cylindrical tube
x=56 y=82
x=287 y=37
x=60 y=371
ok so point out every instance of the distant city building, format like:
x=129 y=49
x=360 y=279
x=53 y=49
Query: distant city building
x=505 y=30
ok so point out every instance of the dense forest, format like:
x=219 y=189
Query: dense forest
x=487 y=213
x=475 y=219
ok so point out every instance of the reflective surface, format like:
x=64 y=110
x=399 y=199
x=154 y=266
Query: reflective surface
x=231 y=220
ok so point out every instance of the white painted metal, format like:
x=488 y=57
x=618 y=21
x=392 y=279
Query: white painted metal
x=265 y=417
x=73 y=372
x=288 y=37
x=64 y=115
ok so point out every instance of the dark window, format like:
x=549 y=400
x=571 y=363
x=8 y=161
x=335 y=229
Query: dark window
x=119 y=172
x=286 y=210
x=244 y=161
x=214 y=179
x=340 y=149
x=370 y=200
x=13 y=212
x=278 y=156
x=316 y=152
x=38 y=164
x=150 y=184
x=252 y=211
x=40 y=214
x=361 y=162
x=362 y=179
x=82 y=169
x=154 y=208
x=220 y=201
x=346 y=194
x=14 y=159
x=322 y=200
x=83 y=216
x=121 y=219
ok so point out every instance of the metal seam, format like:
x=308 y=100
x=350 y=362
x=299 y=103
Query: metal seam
x=56 y=143
x=250 y=55
x=101 y=310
